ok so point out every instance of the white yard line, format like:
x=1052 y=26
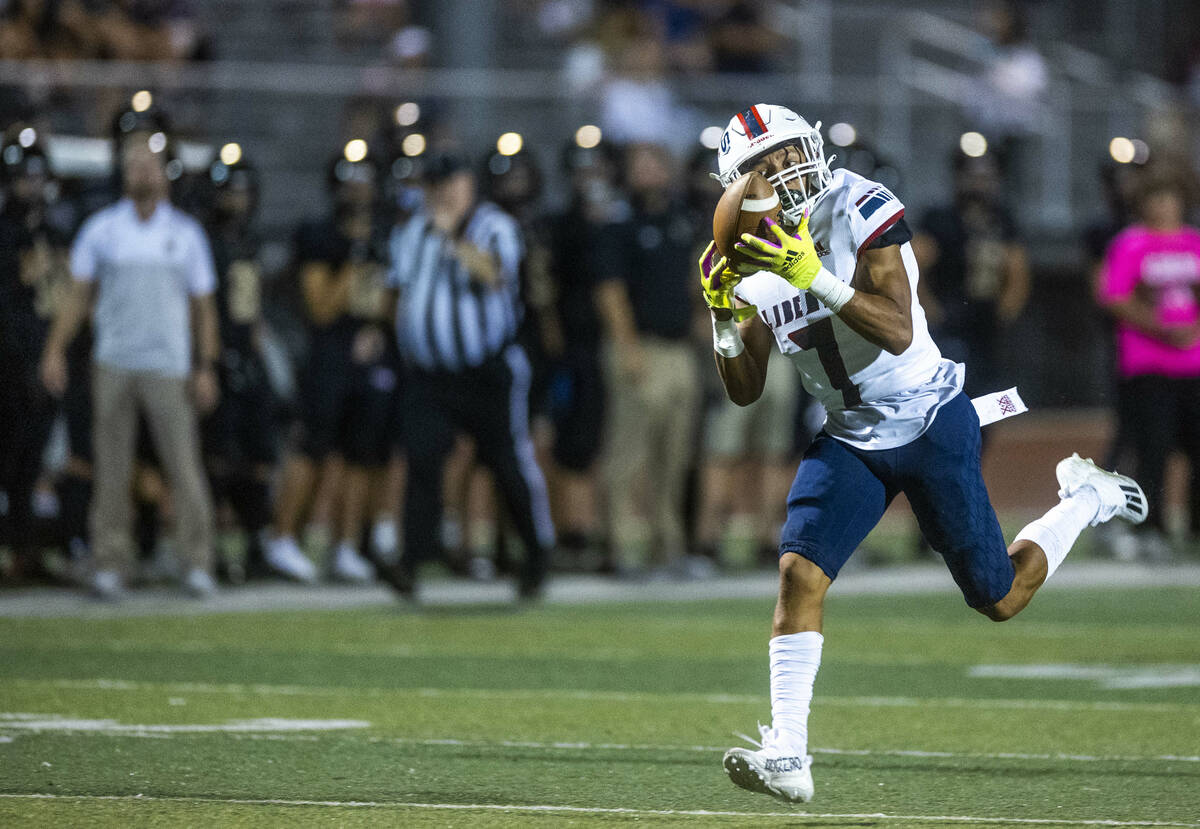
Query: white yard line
x=599 y=810
x=261 y=689
x=278 y=730
x=567 y=589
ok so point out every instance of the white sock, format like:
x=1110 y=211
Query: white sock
x=795 y=658
x=1057 y=530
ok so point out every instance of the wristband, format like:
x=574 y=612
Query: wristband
x=833 y=292
x=727 y=340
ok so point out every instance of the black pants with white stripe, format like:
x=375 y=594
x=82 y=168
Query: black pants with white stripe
x=491 y=405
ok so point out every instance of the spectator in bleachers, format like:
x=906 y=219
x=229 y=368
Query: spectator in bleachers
x=636 y=102
x=644 y=296
x=146 y=270
x=147 y=29
x=240 y=444
x=348 y=379
x=1151 y=285
x=33 y=275
x=741 y=37
x=90 y=29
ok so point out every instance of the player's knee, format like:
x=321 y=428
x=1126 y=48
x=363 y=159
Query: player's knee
x=999 y=612
x=800 y=577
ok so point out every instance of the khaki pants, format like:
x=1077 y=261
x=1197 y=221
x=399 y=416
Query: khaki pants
x=651 y=438
x=117 y=397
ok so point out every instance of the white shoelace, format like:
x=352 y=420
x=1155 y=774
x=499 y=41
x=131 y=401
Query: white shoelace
x=767 y=734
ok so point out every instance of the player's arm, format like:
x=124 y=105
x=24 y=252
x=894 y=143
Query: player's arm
x=877 y=303
x=207 y=327
x=1014 y=290
x=928 y=253
x=880 y=309
x=745 y=375
x=1137 y=312
x=1123 y=294
x=75 y=308
x=326 y=291
x=613 y=307
x=741 y=341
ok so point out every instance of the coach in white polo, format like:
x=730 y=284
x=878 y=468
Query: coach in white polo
x=144 y=270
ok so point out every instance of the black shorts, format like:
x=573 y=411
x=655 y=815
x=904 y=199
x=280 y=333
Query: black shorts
x=577 y=399
x=346 y=408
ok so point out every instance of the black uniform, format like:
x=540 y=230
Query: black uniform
x=33 y=270
x=346 y=405
x=577 y=385
x=966 y=280
x=466 y=373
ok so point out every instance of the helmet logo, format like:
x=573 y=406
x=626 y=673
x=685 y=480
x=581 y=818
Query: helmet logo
x=726 y=138
x=752 y=123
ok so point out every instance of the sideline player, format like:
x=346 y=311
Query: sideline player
x=846 y=314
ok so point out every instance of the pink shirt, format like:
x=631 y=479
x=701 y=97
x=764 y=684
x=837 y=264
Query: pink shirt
x=1164 y=267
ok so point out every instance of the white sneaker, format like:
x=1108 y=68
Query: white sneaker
x=1120 y=495
x=283 y=555
x=773 y=769
x=348 y=565
x=107 y=586
x=199 y=583
x=385 y=541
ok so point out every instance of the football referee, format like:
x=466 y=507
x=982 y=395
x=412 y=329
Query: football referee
x=455 y=279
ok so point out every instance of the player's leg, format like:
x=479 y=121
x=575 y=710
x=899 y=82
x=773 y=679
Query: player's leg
x=672 y=395
x=365 y=449
x=944 y=482
x=1088 y=495
x=942 y=477
x=626 y=453
x=835 y=500
x=506 y=447
x=114 y=431
x=1188 y=426
x=172 y=421
x=429 y=435
x=323 y=391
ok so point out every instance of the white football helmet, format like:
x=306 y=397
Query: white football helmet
x=764 y=128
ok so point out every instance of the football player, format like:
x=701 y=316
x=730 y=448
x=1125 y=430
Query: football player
x=239 y=436
x=833 y=288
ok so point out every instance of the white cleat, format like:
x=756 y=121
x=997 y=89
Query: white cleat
x=199 y=584
x=283 y=555
x=1120 y=495
x=107 y=586
x=349 y=566
x=772 y=769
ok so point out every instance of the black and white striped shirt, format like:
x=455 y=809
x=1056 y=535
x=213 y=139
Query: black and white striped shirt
x=445 y=321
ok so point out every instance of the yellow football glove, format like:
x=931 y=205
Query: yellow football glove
x=717 y=281
x=794 y=258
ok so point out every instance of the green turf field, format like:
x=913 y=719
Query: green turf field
x=601 y=715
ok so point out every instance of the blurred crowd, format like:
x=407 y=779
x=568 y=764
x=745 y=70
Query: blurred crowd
x=246 y=409
x=302 y=437
x=301 y=455
x=102 y=30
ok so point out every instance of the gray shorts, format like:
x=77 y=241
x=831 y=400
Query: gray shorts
x=765 y=427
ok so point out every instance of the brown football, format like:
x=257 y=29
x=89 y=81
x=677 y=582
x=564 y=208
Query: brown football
x=742 y=208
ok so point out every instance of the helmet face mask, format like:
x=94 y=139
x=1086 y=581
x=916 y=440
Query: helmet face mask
x=765 y=129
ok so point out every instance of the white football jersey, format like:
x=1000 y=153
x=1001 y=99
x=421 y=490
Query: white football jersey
x=874 y=399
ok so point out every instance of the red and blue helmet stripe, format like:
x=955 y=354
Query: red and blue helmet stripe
x=752 y=122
